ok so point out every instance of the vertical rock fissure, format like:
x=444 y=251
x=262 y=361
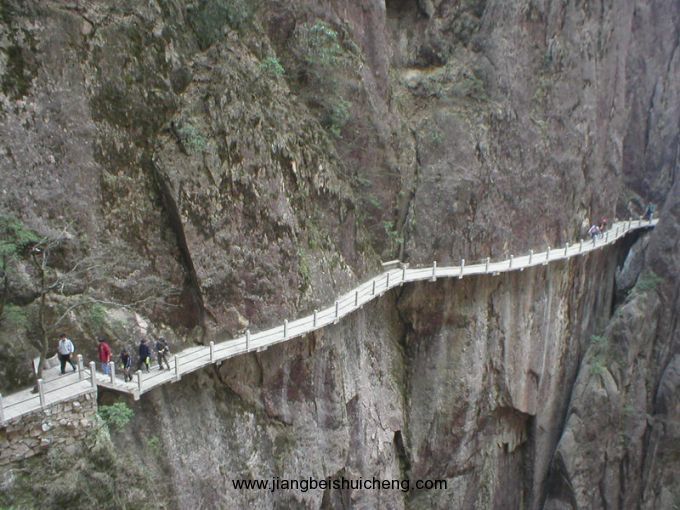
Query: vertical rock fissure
x=175 y=222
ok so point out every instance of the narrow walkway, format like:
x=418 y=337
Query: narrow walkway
x=56 y=389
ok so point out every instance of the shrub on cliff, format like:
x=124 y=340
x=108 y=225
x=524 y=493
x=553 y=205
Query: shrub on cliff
x=321 y=65
x=116 y=416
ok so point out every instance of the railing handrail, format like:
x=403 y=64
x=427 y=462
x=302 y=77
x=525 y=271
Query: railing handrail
x=195 y=358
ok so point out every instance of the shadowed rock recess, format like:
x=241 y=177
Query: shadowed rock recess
x=218 y=165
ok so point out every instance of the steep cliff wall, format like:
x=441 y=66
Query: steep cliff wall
x=458 y=381
x=248 y=161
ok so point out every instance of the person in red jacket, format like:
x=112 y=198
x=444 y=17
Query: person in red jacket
x=104 y=351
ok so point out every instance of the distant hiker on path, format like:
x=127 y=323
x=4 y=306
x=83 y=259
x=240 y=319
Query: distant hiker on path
x=603 y=225
x=594 y=232
x=65 y=349
x=126 y=365
x=104 y=352
x=162 y=351
x=144 y=355
x=649 y=213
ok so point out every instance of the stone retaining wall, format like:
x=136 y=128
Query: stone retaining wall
x=64 y=424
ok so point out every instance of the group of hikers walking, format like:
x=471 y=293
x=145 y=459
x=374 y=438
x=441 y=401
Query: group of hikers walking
x=597 y=230
x=65 y=349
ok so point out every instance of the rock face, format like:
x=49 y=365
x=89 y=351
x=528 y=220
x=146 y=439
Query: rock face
x=622 y=427
x=252 y=163
x=464 y=386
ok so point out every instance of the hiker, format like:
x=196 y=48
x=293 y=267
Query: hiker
x=649 y=213
x=126 y=364
x=65 y=349
x=162 y=352
x=104 y=351
x=594 y=232
x=603 y=225
x=144 y=355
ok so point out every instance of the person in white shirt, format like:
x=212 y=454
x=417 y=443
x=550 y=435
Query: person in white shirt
x=65 y=349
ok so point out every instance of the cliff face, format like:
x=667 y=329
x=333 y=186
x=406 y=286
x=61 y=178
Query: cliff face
x=457 y=381
x=250 y=161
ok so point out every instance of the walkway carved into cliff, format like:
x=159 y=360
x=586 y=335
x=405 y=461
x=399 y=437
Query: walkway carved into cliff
x=194 y=358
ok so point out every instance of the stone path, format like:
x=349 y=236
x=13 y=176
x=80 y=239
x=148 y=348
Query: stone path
x=56 y=387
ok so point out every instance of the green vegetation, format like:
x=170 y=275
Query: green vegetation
x=394 y=237
x=436 y=136
x=14 y=317
x=321 y=45
x=337 y=116
x=304 y=271
x=19 y=72
x=15 y=239
x=15 y=236
x=647 y=281
x=272 y=67
x=154 y=445
x=191 y=138
x=598 y=366
x=209 y=17
x=600 y=349
x=116 y=416
x=97 y=316
x=97 y=476
x=322 y=64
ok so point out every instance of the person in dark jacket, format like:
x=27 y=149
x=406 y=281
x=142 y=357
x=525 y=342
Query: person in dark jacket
x=126 y=364
x=162 y=353
x=649 y=212
x=144 y=355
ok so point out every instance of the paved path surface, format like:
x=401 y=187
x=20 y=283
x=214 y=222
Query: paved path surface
x=62 y=387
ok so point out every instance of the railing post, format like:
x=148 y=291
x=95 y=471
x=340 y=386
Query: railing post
x=510 y=261
x=247 y=340
x=373 y=289
x=616 y=234
x=2 y=412
x=566 y=247
x=93 y=374
x=547 y=256
x=387 y=281
x=139 y=381
x=337 y=309
x=488 y=259
x=316 y=317
x=531 y=256
x=462 y=267
x=356 y=298
x=580 y=246
x=176 y=368
x=41 y=393
x=80 y=366
x=285 y=328
x=434 y=270
x=212 y=351
x=630 y=222
x=112 y=372
x=403 y=275
x=606 y=236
